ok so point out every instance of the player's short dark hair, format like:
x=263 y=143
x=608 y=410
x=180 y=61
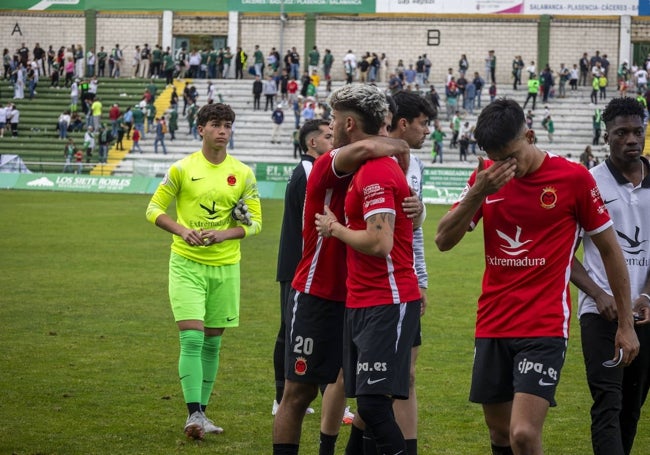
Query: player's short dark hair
x=215 y=111
x=309 y=127
x=409 y=106
x=499 y=123
x=622 y=107
x=367 y=102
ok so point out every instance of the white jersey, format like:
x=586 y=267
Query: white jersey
x=414 y=177
x=628 y=207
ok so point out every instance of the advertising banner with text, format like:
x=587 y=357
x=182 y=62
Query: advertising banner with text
x=441 y=185
x=535 y=7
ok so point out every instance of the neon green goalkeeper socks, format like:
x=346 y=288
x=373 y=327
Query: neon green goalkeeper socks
x=210 y=361
x=190 y=368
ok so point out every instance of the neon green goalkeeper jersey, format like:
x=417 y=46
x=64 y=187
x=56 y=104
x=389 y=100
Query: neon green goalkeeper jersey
x=205 y=195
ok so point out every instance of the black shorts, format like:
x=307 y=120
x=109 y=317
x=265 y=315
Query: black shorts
x=377 y=349
x=417 y=341
x=505 y=366
x=314 y=338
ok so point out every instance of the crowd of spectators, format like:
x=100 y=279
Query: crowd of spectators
x=293 y=83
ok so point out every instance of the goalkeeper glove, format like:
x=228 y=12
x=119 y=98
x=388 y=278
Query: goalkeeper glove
x=240 y=213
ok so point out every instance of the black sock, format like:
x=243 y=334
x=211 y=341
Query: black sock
x=412 y=446
x=501 y=450
x=369 y=443
x=327 y=444
x=278 y=366
x=193 y=407
x=377 y=412
x=355 y=443
x=285 y=449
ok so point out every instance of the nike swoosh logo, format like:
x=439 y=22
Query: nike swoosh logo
x=544 y=383
x=375 y=381
x=194 y=179
x=611 y=200
x=183 y=377
x=492 y=201
x=231 y=319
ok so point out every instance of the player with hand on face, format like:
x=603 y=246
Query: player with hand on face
x=208 y=186
x=533 y=204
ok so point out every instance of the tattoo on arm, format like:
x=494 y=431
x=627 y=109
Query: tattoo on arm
x=380 y=219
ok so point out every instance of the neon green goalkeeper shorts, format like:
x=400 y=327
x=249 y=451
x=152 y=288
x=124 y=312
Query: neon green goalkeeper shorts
x=202 y=292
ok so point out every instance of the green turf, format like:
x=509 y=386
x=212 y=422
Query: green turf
x=89 y=347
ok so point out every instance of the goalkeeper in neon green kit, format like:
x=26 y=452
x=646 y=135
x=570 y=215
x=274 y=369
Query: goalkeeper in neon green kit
x=217 y=204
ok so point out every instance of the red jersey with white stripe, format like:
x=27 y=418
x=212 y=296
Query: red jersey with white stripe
x=379 y=186
x=531 y=228
x=321 y=270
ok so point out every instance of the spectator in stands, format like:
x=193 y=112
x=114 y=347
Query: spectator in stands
x=135 y=63
x=121 y=128
x=32 y=78
x=136 y=141
x=278 y=117
x=64 y=124
x=68 y=153
x=89 y=142
x=173 y=123
x=269 y=90
x=114 y=115
x=13 y=116
x=156 y=61
x=151 y=117
x=74 y=95
x=78 y=158
x=96 y=109
x=102 y=56
x=257 y=92
x=19 y=83
x=54 y=75
x=92 y=87
x=104 y=138
x=6 y=63
x=68 y=68
x=3 y=119
x=76 y=123
x=116 y=56
x=191 y=120
x=128 y=122
x=90 y=63
x=79 y=61
x=161 y=129
x=138 y=120
x=145 y=56
x=168 y=66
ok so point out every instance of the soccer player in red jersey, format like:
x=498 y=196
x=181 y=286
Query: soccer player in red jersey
x=314 y=312
x=383 y=299
x=533 y=205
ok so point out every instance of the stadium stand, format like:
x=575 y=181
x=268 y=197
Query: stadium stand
x=38 y=146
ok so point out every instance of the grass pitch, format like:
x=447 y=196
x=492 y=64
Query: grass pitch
x=89 y=346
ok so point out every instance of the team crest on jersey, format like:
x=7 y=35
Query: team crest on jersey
x=232 y=180
x=548 y=199
x=300 y=367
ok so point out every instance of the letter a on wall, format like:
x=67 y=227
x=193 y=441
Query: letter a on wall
x=17 y=29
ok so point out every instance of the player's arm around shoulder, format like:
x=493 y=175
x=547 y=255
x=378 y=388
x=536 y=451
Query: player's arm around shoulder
x=375 y=240
x=350 y=157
